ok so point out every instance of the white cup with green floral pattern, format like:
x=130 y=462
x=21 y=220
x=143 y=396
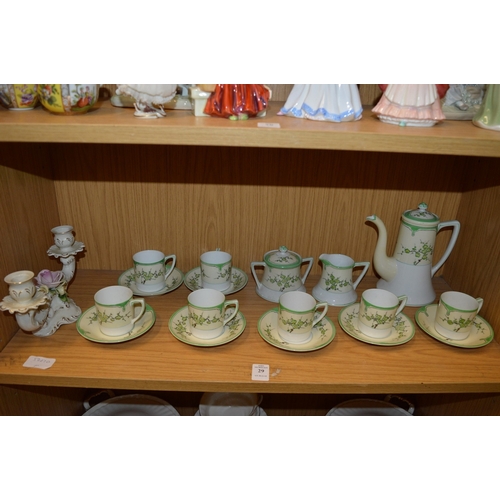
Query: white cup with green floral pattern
x=151 y=270
x=209 y=312
x=117 y=310
x=377 y=311
x=216 y=269
x=455 y=314
x=297 y=315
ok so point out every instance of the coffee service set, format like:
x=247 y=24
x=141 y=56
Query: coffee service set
x=299 y=322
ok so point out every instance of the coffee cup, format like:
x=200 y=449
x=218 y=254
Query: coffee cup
x=117 y=311
x=207 y=312
x=216 y=269
x=151 y=271
x=377 y=312
x=229 y=404
x=455 y=314
x=297 y=316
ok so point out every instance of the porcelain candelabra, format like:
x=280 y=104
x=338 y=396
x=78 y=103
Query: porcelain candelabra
x=42 y=309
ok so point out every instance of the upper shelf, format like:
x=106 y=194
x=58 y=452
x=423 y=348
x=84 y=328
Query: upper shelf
x=107 y=124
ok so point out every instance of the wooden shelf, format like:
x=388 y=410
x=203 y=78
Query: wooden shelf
x=157 y=361
x=111 y=125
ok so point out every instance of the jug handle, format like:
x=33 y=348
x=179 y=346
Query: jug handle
x=454 y=235
x=308 y=270
x=366 y=265
x=253 y=265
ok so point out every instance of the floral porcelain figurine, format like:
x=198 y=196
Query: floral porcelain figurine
x=414 y=105
x=462 y=100
x=335 y=102
x=488 y=115
x=236 y=101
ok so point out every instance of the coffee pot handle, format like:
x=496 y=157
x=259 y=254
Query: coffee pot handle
x=253 y=265
x=454 y=235
x=308 y=270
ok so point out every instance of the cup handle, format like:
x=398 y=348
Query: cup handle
x=306 y=274
x=366 y=265
x=402 y=299
x=143 y=308
x=253 y=265
x=324 y=305
x=480 y=300
x=170 y=271
x=234 y=313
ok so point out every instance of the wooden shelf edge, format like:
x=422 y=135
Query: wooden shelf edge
x=110 y=125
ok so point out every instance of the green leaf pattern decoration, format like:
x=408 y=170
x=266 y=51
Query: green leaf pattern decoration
x=377 y=319
x=144 y=276
x=456 y=323
x=334 y=283
x=198 y=320
x=421 y=254
x=104 y=317
x=284 y=281
x=291 y=324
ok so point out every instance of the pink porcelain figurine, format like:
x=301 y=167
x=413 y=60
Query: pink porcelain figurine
x=414 y=105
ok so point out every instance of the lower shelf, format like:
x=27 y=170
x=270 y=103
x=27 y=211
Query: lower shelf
x=157 y=361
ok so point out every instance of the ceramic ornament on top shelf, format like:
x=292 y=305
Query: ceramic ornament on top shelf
x=488 y=115
x=462 y=100
x=412 y=105
x=335 y=102
x=149 y=98
x=232 y=100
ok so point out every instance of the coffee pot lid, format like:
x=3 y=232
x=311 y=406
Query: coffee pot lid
x=421 y=216
x=282 y=258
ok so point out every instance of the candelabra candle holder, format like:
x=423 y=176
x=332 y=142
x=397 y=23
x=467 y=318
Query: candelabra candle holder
x=42 y=309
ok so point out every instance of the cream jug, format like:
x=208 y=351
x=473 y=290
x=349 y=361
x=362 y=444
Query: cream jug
x=409 y=272
x=281 y=273
x=336 y=285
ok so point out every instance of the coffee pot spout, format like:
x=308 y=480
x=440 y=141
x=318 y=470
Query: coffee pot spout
x=385 y=266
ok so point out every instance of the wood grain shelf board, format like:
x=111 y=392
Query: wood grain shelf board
x=111 y=125
x=158 y=361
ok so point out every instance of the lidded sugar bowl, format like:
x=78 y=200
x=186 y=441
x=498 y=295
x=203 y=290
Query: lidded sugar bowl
x=282 y=273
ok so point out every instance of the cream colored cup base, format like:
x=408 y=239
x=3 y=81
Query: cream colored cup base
x=449 y=334
x=150 y=288
x=295 y=338
x=117 y=332
x=373 y=332
x=207 y=334
x=221 y=287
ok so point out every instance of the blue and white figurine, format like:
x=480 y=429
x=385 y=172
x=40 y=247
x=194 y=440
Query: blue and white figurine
x=334 y=102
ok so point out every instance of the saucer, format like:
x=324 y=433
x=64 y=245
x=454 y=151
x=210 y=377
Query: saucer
x=274 y=295
x=88 y=327
x=322 y=333
x=402 y=331
x=239 y=279
x=179 y=327
x=173 y=281
x=481 y=332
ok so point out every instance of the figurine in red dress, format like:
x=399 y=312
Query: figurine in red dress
x=238 y=101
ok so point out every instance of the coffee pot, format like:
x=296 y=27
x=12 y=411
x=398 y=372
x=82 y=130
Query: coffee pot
x=282 y=270
x=409 y=271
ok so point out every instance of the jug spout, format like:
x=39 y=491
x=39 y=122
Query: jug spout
x=385 y=266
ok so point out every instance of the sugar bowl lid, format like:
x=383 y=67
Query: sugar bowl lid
x=282 y=258
x=421 y=216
